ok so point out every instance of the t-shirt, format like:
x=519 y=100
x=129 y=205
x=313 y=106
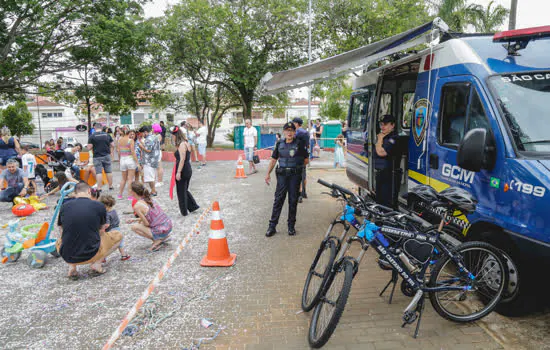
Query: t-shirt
x=81 y=219
x=13 y=179
x=303 y=136
x=152 y=144
x=203 y=132
x=29 y=164
x=249 y=134
x=101 y=143
x=112 y=220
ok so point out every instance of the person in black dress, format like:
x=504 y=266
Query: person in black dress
x=183 y=171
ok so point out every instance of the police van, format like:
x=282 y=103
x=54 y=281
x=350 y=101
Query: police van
x=472 y=111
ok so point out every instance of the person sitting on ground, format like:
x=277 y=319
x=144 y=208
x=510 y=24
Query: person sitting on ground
x=59 y=180
x=113 y=222
x=152 y=222
x=16 y=179
x=82 y=223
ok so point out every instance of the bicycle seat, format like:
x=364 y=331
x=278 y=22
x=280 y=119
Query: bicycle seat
x=458 y=199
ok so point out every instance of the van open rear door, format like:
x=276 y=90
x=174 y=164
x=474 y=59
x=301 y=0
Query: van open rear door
x=351 y=61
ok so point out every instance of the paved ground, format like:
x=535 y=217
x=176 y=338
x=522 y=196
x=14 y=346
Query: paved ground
x=254 y=305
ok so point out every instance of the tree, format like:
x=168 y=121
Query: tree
x=37 y=36
x=233 y=44
x=18 y=119
x=513 y=14
x=491 y=18
x=335 y=95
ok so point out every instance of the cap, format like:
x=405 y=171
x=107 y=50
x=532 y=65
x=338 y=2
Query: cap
x=289 y=125
x=298 y=120
x=388 y=118
x=145 y=128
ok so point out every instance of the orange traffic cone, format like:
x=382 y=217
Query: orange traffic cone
x=218 y=250
x=240 y=169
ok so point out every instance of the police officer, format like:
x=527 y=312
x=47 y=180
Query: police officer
x=292 y=157
x=303 y=137
x=385 y=156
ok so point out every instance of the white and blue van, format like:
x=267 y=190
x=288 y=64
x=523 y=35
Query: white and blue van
x=472 y=112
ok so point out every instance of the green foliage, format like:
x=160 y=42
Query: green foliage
x=18 y=119
x=460 y=14
x=335 y=95
x=230 y=136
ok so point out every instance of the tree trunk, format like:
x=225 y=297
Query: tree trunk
x=89 y=109
x=513 y=14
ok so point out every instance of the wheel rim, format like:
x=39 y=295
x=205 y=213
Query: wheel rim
x=329 y=301
x=485 y=290
x=318 y=274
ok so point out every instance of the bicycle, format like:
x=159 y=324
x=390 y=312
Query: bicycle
x=473 y=268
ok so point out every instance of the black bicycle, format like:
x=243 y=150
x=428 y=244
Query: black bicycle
x=464 y=284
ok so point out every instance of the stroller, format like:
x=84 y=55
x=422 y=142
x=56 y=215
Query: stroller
x=62 y=161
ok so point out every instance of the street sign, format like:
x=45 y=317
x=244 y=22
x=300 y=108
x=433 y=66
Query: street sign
x=81 y=127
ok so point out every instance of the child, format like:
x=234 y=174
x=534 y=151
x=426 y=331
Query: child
x=113 y=222
x=59 y=180
x=339 y=151
x=29 y=164
x=153 y=223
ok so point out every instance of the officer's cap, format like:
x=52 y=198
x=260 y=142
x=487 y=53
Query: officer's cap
x=289 y=125
x=388 y=118
x=298 y=120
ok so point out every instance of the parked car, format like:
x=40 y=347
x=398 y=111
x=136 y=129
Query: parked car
x=30 y=144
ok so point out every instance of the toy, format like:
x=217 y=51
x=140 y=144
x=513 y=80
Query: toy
x=32 y=200
x=38 y=244
x=22 y=209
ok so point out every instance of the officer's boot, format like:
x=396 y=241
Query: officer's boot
x=304 y=194
x=291 y=230
x=270 y=231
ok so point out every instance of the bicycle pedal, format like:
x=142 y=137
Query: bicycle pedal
x=409 y=317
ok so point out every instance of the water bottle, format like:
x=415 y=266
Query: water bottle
x=407 y=262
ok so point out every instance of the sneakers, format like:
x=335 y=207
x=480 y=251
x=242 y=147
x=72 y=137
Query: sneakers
x=291 y=231
x=158 y=184
x=300 y=199
x=119 y=196
x=304 y=195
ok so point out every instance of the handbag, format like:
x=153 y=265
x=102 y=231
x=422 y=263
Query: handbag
x=256 y=159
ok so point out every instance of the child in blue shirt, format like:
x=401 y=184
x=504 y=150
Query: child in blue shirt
x=113 y=221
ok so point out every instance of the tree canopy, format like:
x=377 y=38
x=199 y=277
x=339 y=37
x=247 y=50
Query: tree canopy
x=17 y=118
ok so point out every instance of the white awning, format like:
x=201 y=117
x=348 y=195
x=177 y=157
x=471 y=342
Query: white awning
x=351 y=61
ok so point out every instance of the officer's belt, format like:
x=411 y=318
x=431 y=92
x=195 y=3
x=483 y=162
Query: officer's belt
x=289 y=171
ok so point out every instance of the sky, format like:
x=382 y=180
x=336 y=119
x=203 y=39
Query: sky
x=531 y=13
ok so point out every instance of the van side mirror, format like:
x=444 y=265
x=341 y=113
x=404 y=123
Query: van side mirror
x=476 y=151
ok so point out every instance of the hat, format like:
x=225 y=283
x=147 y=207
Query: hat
x=289 y=125
x=298 y=120
x=388 y=118
x=145 y=128
x=157 y=128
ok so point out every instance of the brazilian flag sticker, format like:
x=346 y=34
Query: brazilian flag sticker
x=495 y=182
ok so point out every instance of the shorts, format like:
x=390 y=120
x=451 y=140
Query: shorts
x=191 y=142
x=103 y=163
x=127 y=163
x=202 y=149
x=109 y=240
x=249 y=153
x=149 y=173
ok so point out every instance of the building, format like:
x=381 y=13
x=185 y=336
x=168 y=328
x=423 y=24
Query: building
x=52 y=120
x=145 y=111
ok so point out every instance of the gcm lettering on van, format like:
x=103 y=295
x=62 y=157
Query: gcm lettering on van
x=457 y=173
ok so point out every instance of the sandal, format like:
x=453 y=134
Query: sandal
x=155 y=247
x=125 y=257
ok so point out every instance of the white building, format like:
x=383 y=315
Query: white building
x=55 y=120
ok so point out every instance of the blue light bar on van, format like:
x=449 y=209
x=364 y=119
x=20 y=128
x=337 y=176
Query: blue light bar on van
x=522 y=34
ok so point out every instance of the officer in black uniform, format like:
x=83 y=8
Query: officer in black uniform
x=303 y=137
x=386 y=163
x=292 y=157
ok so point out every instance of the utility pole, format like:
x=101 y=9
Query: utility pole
x=309 y=61
x=513 y=14
x=39 y=124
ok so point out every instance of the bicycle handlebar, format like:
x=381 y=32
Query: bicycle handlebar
x=324 y=183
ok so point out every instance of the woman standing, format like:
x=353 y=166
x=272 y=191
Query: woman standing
x=183 y=172
x=9 y=147
x=157 y=129
x=132 y=135
x=128 y=159
x=191 y=140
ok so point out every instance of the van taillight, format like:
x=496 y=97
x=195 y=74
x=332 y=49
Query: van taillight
x=522 y=34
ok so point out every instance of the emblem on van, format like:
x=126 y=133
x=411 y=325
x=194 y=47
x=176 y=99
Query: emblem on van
x=421 y=110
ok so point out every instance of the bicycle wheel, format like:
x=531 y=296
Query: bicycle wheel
x=318 y=274
x=331 y=305
x=480 y=295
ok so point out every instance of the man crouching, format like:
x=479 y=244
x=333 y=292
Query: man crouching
x=82 y=223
